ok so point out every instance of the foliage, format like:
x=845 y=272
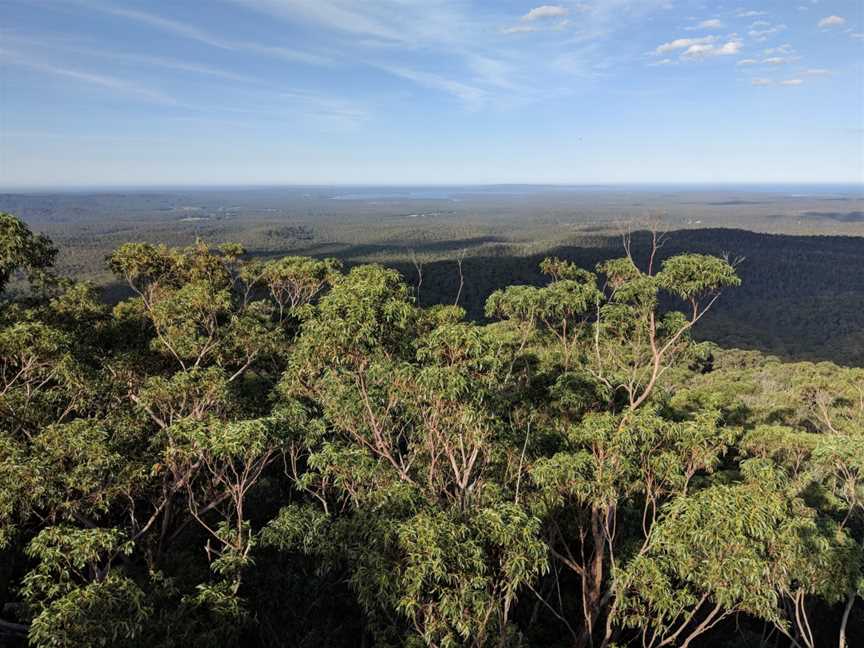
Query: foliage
x=283 y=453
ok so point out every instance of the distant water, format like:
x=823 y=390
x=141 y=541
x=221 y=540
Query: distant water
x=467 y=191
x=449 y=192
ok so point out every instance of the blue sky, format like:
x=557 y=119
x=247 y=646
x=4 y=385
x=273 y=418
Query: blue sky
x=98 y=93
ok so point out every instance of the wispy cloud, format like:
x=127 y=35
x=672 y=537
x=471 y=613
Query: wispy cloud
x=764 y=30
x=472 y=96
x=831 y=21
x=411 y=23
x=780 y=55
x=520 y=29
x=750 y=13
x=114 y=56
x=320 y=111
x=493 y=72
x=791 y=82
x=181 y=66
x=444 y=45
x=478 y=66
x=542 y=18
x=343 y=16
x=191 y=32
x=817 y=72
x=713 y=23
x=411 y=26
x=747 y=62
x=761 y=82
x=112 y=83
x=546 y=11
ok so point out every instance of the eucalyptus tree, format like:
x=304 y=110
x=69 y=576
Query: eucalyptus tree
x=406 y=455
x=617 y=458
x=217 y=336
x=23 y=251
x=127 y=431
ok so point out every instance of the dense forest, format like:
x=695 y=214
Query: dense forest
x=801 y=297
x=802 y=291
x=281 y=452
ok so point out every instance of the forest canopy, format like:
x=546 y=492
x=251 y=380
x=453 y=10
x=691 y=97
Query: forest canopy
x=287 y=452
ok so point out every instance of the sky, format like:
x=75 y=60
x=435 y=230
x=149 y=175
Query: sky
x=280 y=92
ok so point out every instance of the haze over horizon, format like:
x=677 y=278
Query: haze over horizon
x=401 y=92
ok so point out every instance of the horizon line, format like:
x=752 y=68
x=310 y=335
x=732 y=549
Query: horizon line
x=105 y=188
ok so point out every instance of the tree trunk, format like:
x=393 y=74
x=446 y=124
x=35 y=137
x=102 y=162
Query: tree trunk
x=849 y=603
x=592 y=578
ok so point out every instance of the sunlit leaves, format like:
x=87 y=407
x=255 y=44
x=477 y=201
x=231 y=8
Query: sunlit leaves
x=690 y=276
x=108 y=612
x=21 y=249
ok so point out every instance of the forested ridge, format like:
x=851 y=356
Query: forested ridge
x=801 y=297
x=286 y=452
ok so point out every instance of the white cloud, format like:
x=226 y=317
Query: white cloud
x=761 y=82
x=744 y=13
x=697 y=51
x=700 y=48
x=701 y=51
x=747 y=62
x=683 y=43
x=546 y=11
x=821 y=72
x=776 y=60
x=732 y=47
x=791 y=82
x=831 y=21
x=763 y=34
x=666 y=61
x=542 y=14
x=706 y=24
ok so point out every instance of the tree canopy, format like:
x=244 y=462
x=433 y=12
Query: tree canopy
x=283 y=452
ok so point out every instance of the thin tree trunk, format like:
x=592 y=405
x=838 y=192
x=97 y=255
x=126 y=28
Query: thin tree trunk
x=592 y=580
x=849 y=603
